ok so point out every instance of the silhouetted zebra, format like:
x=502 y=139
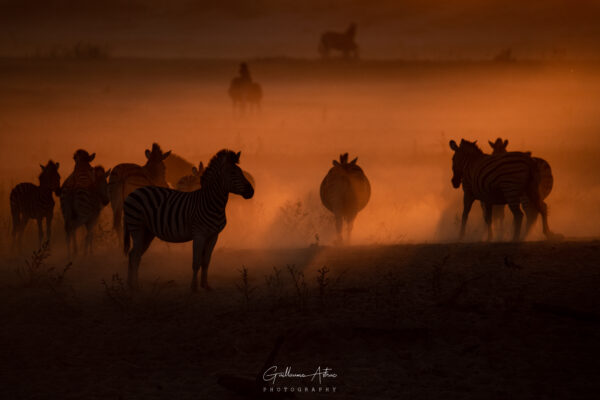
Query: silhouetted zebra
x=498 y=179
x=175 y=216
x=30 y=201
x=545 y=173
x=343 y=42
x=189 y=183
x=176 y=167
x=345 y=191
x=83 y=173
x=125 y=178
x=244 y=91
x=82 y=206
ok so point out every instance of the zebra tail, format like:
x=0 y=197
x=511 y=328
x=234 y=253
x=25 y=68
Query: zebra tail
x=126 y=239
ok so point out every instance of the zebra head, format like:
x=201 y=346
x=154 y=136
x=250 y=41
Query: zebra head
x=499 y=146
x=344 y=164
x=462 y=154
x=101 y=184
x=224 y=168
x=82 y=156
x=49 y=178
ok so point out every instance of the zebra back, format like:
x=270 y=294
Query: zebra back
x=345 y=189
x=35 y=201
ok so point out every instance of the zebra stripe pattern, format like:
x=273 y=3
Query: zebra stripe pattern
x=497 y=179
x=28 y=201
x=175 y=216
x=82 y=206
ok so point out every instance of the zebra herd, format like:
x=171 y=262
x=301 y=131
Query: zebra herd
x=195 y=210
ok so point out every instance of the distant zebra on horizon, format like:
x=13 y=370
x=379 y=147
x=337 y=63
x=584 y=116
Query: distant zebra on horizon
x=345 y=191
x=125 y=178
x=341 y=41
x=34 y=201
x=82 y=206
x=244 y=91
x=498 y=179
x=175 y=216
x=546 y=179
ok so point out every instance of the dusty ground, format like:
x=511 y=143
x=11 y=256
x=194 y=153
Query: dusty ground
x=406 y=321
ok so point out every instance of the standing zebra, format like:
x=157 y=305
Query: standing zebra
x=175 y=216
x=30 y=201
x=125 y=178
x=244 y=91
x=82 y=206
x=498 y=179
x=189 y=183
x=83 y=173
x=343 y=42
x=543 y=168
x=345 y=191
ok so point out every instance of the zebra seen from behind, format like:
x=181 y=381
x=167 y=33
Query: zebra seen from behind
x=125 y=178
x=35 y=201
x=175 y=216
x=82 y=206
x=498 y=179
x=345 y=191
x=83 y=172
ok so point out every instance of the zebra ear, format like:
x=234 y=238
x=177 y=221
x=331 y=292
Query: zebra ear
x=453 y=145
x=195 y=171
x=238 y=154
x=336 y=163
x=201 y=166
x=57 y=165
x=167 y=154
x=107 y=174
x=491 y=144
x=43 y=168
x=506 y=143
x=92 y=156
x=354 y=161
x=148 y=154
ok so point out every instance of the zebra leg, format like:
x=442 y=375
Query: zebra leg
x=467 y=204
x=16 y=221
x=349 y=227
x=338 y=228
x=198 y=249
x=48 y=227
x=531 y=212
x=40 y=232
x=515 y=207
x=24 y=222
x=487 y=216
x=89 y=237
x=141 y=241
x=209 y=246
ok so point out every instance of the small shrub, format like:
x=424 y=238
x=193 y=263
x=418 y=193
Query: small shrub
x=244 y=286
x=300 y=286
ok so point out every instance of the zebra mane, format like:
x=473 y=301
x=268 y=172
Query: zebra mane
x=470 y=147
x=217 y=162
x=50 y=167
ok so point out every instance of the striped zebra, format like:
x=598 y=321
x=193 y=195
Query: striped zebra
x=345 y=191
x=189 y=183
x=545 y=173
x=30 y=201
x=498 y=179
x=83 y=173
x=82 y=206
x=343 y=42
x=175 y=216
x=125 y=178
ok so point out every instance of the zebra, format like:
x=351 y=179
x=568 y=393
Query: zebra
x=175 y=216
x=498 y=179
x=30 y=201
x=189 y=183
x=82 y=206
x=176 y=167
x=544 y=170
x=243 y=90
x=125 y=178
x=83 y=173
x=343 y=42
x=345 y=191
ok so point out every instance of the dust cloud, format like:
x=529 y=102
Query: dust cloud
x=396 y=117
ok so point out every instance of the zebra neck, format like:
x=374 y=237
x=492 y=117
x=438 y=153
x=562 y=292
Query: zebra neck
x=45 y=192
x=215 y=197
